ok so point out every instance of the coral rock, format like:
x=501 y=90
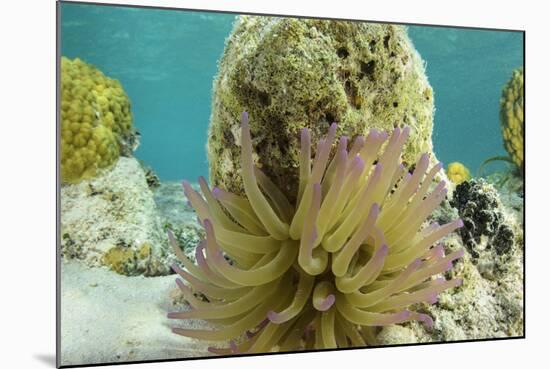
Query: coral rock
x=490 y=233
x=294 y=73
x=112 y=220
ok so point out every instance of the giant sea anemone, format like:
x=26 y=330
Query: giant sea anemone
x=353 y=254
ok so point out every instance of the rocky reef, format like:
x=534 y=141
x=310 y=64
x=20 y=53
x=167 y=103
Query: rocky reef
x=113 y=220
x=490 y=302
x=486 y=228
x=303 y=73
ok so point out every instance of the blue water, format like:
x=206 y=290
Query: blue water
x=166 y=60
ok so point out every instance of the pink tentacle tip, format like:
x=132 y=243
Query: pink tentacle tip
x=440 y=185
x=244 y=117
x=459 y=223
x=216 y=192
x=273 y=317
x=327 y=304
x=358 y=163
x=427 y=320
x=343 y=142
x=233 y=347
x=432 y=298
x=333 y=126
x=172 y=315
x=407 y=130
x=208 y=226
x=458 y=282
x=383 y=250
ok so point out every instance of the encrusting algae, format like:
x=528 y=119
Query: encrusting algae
x=350 y=256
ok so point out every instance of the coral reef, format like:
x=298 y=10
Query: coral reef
x=458 y=173
x=485 y=306
x=512 y=117
x=96 y=122
x=112 y=220
x=291 y=73
x=324 y=273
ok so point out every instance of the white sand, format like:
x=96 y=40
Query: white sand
x=106 y=317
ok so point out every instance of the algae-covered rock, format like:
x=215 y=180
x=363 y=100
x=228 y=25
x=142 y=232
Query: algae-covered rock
x=482 y=307
x=490 y=302
x=395 y=334
x=112 y=221
x=294 y=73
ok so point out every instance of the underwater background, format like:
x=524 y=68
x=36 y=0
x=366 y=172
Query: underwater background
x=166 y=61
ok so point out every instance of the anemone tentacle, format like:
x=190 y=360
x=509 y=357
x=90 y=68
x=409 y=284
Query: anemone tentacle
x=355 y=252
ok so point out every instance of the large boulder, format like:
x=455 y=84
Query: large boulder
x=292 y=73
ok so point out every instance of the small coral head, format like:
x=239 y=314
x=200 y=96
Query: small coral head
x=354 y=253
x=458 y=173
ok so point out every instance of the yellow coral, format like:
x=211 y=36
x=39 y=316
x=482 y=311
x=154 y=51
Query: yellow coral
x=511 y=117
x=458 y=173
x=95 y=120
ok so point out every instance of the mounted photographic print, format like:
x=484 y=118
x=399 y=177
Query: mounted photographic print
x=240 y=184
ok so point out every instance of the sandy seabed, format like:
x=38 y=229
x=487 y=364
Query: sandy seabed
x=107 y=317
